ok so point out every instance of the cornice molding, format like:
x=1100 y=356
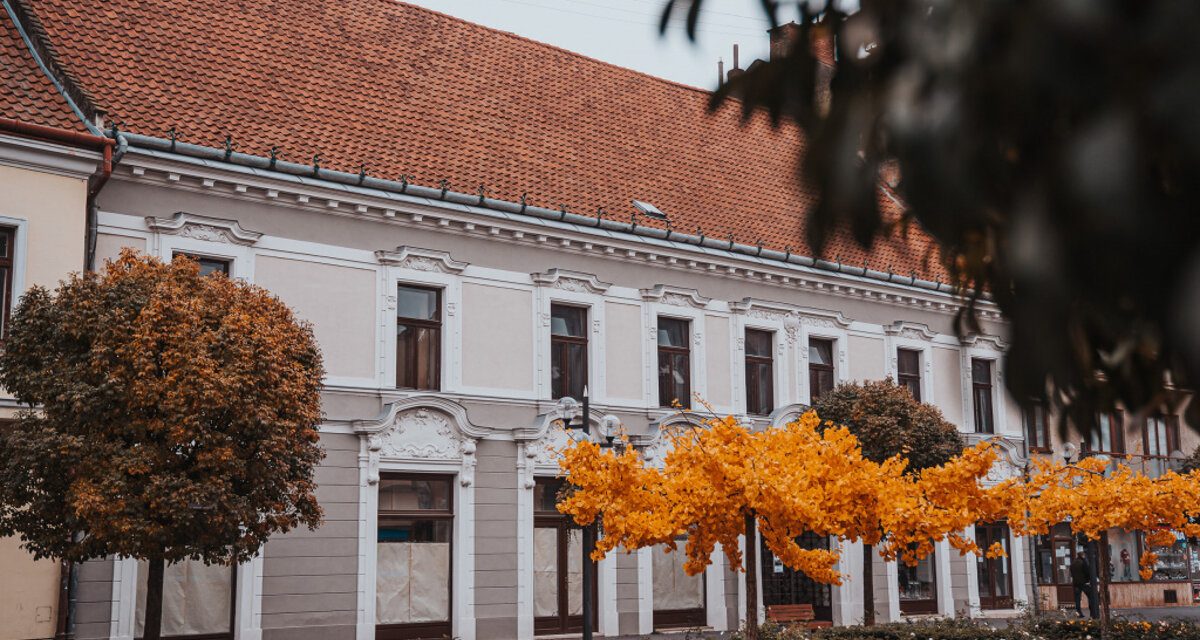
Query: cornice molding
x=157 y=168
x=191 y=225
x=568 y=280
x=419 y=259
x=676 y=296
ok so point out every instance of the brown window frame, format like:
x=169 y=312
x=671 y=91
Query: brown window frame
x=226 y=264
x=1035 y=441
x=986 y=386
x=753 y=382
x=1116 y=436
x=560 y=347
x=410 y=368
x=1171 y=434
x=417 y=630
x=8 y=264
x=666 y=357
x=816 y=370
x=909 y=380
x=563 y=622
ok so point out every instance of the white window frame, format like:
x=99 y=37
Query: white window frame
x=589 y=296
x=813 y=327
x=450 y=285
x=913 y=337
x=247 y=621
x=984 y=348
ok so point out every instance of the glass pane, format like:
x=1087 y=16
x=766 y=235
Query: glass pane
x=1173 y=561
x=913 y=384
x=759 y=392
x=672 y=332
x=545 y=571
x=1062 y=561
x=5 y=238
x=820 y=352
x=1044 y=557
x=406 y=494
x=416 y=303
x=918 y=583
x=1123 y=555
x=574 y=572
x=981 y=371
x=576 y=369
x=673 y=379
x=196 y=598
x=567 y=321
x=545 y=494
x=820 y=381
x=674 y=589
x=412 y=571
x=1156 y=436
x=758 y=343
x=908 y=362
x=417 y=357
x=983 y=410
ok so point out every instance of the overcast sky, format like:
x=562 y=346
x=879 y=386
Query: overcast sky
x=625 y=32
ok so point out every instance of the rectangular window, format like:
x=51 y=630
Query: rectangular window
x=568 y=351
x=674 y=363
x=208 y=264
x=760 y=379
x=414 y=556
x=1108 y=435
x=981 y=382
x=1037 y=430
x=8 y=240
x=820 y=367
x=418 y=337
x=1162 y=435
x=908 y=371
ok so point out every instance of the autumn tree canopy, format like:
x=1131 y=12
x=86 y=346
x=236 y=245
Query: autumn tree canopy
x=170 y=416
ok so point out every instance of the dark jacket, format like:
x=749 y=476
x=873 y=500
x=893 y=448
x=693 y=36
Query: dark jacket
x=1081 y=575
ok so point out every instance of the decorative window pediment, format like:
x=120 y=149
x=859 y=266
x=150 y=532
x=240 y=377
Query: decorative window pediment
x=910 y=330
x=984 y=341
x=676 y=296
x=198 y=227
x=426 y=429
x=419 y=259
x=566 y=280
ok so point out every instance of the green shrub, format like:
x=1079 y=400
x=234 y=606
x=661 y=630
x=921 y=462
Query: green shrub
x=965 y=629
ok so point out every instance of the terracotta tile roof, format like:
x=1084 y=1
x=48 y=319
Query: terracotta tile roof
x=26 y=93
x=412 y=91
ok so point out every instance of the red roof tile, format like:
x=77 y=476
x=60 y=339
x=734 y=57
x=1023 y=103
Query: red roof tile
x=412 y=91
x=26 y=93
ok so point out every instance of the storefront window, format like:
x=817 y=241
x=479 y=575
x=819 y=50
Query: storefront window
x=413 y=554
x=918 y=586
x=1172 y=561
x=197 y=599
x=1123 y=556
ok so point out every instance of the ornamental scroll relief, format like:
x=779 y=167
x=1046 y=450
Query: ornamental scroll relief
x=425 y=435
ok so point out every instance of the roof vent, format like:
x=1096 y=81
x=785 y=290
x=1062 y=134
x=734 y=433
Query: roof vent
x=649 y=210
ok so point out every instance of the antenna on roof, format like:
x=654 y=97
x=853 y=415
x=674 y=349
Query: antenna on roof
x=649 y=210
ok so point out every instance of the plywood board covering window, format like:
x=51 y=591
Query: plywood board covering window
x=414 y=556
x=197 y=600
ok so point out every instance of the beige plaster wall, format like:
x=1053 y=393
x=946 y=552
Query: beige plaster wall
x=623 y=351
x=28 y=593
x=948 y=384
x=55 y=208
x=108 y=247
x=497 y=340
x=321 y=293
x=717 y=354
x=866 y=358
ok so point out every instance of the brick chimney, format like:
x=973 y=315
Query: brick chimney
x=784 y=35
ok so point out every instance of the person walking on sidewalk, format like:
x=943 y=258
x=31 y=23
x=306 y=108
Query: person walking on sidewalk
x=1081 y=580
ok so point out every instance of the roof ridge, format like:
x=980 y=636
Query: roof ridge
x=44 y=54
x=555 y=47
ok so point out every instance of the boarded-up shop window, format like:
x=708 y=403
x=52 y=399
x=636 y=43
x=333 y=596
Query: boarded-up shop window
x=674 y=589
x=197 y=599
x=413 y=553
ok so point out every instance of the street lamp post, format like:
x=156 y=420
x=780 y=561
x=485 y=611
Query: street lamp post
x=589 y=532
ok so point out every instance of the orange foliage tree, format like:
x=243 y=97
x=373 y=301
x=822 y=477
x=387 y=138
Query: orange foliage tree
x=1093 y=499
x=171 y=416
x=721 y=481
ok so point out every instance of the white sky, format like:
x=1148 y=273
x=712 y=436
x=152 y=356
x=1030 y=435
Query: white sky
x=625 y=32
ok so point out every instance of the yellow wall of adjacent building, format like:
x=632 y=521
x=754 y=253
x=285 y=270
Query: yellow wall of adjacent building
x=54 y=210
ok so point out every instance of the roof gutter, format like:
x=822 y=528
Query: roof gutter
x=476 y=200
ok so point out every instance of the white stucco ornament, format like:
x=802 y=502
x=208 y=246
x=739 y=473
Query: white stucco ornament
x=420 y=434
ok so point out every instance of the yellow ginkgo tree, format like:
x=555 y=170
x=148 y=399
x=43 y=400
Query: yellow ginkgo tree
x=722 y=481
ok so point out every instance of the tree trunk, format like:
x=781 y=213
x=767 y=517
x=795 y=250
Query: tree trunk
x=1105 y=599
x=751 y=578
x=868 y=584
x=154 y=599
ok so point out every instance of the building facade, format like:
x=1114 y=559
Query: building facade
x=457 y=309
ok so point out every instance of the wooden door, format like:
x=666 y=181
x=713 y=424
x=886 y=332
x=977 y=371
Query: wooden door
x=994 y=574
